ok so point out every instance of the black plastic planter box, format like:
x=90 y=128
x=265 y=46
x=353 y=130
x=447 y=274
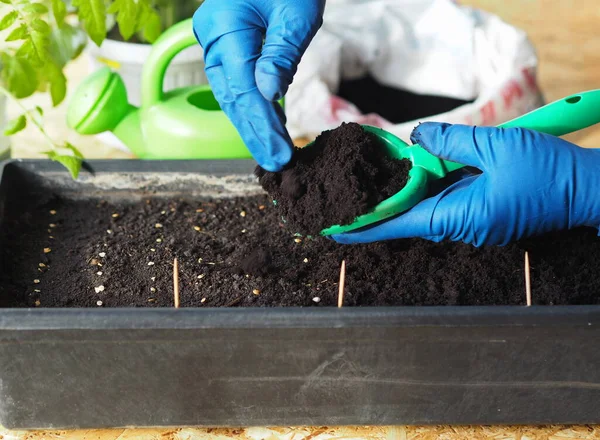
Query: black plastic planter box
x=92 y=368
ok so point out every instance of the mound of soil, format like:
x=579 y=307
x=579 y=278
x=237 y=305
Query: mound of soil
x=236 y=252
x=344 y=173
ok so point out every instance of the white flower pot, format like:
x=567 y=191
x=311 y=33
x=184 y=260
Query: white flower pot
x=128 y=59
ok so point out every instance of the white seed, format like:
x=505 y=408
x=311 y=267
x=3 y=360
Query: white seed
x=52 y=225
x=297 y=240
x=203 y=300
x=153 y=278
x=37 y=302
x=158 y=225
x=199 y=260
x=108 y=231
x=115 y=215
x=152 y=250
x=159 y=240
x=42 y=265
x=99 y=303
x=243 y=231
x=197 y=228
x=305 y=260
x=316 y=299
x=200 y=276
x=150 y=263
x=52 y=212
x=37 y=290
x=99 y=273
x=152 y=289
x=256 y=292
x=163 y=212
x=102 y=254
x=243 y=214
x=99 y=289
x=151 y=300
x=36 y=281
x=47 y=250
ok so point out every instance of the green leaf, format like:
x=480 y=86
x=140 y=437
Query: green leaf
x=18 y=33
x=152 y=28
x=7 y=2
x=25 y=50
x=19 y=76
x=128 y=18
x=93 y=15
x=59 y=9
x=58 y=87
x=71 y=163
x=8 y=20
x=114 y=7
x=40 y=110
x=40 y=47
x=135 y=16
x=74 y=149
x=16 y=125
x=35 y=8
x=66 y=43
x=41 y=26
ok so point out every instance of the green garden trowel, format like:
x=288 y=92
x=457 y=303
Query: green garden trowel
x=561 y=117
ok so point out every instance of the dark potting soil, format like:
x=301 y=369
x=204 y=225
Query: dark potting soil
x=343 y=174
x=236 y=252
x=395 y=105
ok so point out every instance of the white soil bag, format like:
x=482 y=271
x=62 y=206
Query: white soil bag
x=431 y=47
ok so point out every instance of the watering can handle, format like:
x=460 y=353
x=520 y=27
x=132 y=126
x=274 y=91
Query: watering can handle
x=174 y=40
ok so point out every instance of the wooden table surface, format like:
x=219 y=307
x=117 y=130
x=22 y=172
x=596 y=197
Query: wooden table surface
x=567 y=37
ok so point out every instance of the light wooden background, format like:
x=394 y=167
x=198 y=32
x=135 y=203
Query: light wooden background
x=566 y=34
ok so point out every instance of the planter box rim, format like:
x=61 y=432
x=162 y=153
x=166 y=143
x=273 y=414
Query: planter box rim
x=297 y=317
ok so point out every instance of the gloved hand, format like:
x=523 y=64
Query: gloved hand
x=248 y=79
x=531 y=183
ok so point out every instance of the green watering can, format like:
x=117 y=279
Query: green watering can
x=558 y=118
x=185 y=123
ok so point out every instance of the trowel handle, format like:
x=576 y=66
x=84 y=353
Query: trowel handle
x=558 y=118
x=174 y=40
x=561 y=117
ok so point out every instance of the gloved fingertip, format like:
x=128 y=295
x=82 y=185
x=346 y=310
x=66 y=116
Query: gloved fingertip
x=277 y=161
x=426 y=131
x=271 y=86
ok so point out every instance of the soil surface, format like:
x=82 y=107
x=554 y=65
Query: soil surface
x=236 y=252
x=344 y=173
x=394 y=104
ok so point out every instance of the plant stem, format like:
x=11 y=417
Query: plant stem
x=27 y=114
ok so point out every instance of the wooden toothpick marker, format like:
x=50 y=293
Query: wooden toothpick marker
x=176 y=282
x=341 y=285
x=527 y=280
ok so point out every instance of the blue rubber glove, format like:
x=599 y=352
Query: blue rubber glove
x=531 y=183
x=247 y=77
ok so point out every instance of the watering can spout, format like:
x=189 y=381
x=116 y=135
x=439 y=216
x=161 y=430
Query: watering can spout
x=129 y=131
x=100 y=104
